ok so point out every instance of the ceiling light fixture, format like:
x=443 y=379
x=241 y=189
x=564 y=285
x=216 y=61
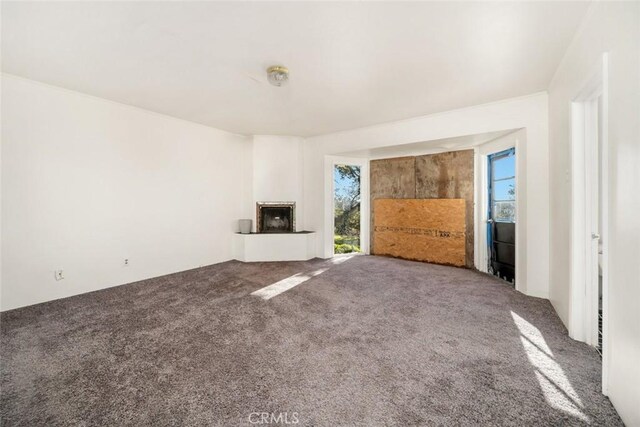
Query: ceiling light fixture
x=277 y=75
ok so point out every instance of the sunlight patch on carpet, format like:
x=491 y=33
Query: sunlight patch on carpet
x=555 y=385
x=284 y=285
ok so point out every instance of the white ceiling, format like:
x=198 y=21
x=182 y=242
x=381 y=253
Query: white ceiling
x=352 y=64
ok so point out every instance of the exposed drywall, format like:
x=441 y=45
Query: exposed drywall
x=449 y=176
x=277 y=173
x=612 y=27
x=393 y=178
x=88 y=183
x=434 y=176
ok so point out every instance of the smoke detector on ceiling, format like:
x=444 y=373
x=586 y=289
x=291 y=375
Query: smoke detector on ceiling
x=278 y=75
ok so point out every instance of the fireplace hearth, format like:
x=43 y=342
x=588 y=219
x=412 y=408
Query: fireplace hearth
x=275 y=217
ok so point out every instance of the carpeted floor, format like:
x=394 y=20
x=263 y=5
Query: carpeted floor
x=368 y=341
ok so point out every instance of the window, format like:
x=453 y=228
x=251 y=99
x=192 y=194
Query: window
x=346 y=209
x=503 y=186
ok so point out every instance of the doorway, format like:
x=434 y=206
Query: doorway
x=501 y=217
x=347 y=217
x=589 y=216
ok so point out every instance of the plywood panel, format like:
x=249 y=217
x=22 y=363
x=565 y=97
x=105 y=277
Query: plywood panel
x=449 y=176
x=391 y=179
x=430 y=230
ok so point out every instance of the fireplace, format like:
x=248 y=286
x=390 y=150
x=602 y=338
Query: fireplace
x=275 y=217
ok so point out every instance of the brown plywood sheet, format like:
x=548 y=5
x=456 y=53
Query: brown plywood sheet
x=449 y=176
x=431 y=230
x=391 y=179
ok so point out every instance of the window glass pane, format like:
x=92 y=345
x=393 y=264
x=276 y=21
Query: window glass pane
x=504 y=167
x=504 y=211
x=347 y=209
x=504 y=190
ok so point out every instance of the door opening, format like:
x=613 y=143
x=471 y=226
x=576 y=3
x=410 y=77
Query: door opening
x=346 y=202
x=501 y=218
x=598 y=210
x=591 y=229
x=589 y=217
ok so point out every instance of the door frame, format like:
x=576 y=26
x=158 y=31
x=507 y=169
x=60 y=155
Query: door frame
x=583 y=308
x=517 y=140
x=508 y=152
x=329 y=202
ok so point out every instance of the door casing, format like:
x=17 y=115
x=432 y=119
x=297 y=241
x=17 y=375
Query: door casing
x=492 y=226
x=584 y=292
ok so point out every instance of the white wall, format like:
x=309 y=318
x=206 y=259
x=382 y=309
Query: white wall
x=528 y=112
x=277 y=173
x=612 y=27
x=87 y=183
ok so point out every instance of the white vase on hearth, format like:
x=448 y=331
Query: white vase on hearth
x=245 y=226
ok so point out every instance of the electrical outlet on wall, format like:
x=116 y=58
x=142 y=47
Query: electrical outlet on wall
x=126 y=262
x=59 y=274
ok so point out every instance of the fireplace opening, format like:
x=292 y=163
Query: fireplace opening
x=275 y=217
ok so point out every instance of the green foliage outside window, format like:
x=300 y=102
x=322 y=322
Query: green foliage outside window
x=347 y=209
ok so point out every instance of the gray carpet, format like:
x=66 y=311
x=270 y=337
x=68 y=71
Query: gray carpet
x=370 y=341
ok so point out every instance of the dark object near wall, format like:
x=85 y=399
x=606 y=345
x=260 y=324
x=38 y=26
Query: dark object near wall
x=503 y=250
x=447 y=175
